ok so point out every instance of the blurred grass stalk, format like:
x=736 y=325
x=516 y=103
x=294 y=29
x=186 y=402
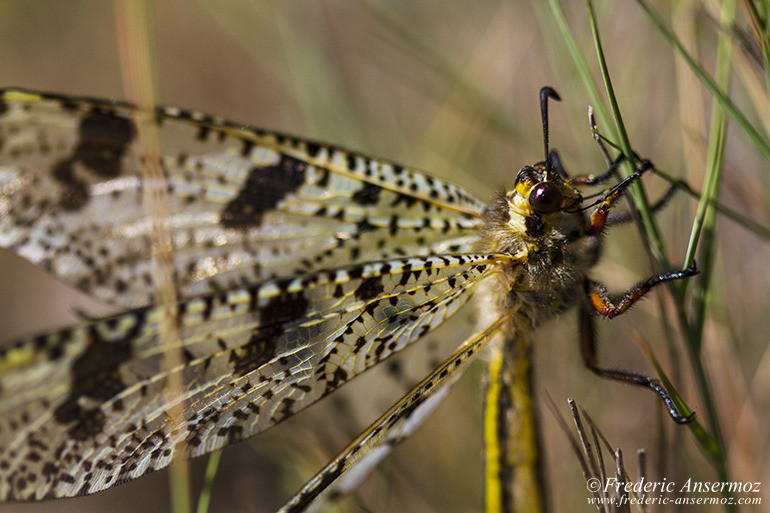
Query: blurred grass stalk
x=612 y=497
x=720 y=94
x=134 y=34
x=704 y=228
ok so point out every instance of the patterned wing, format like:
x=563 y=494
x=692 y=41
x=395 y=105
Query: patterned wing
x=86 y=408
x=344 y=472
x=246 y=204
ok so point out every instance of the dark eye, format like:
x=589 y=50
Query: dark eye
x=546 y=198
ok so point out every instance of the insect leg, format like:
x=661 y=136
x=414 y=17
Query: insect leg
x=609 y=307
x=585 y=180
x=588 y=180
x=599 y=215
x=588 y=347
x=625 y=216
x=599 y=301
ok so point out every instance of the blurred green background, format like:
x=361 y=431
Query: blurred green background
x=451 y=88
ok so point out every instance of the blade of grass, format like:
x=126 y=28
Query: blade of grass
x=759 y=28
x=637 y=192
x=648 y=229
x=577 y=56
x=705 y=220
x=704 y=217
x=710 y=445
x=749 y=224
x=212 y=466
x=133 y=21
x=743 y=123
x=704 y=227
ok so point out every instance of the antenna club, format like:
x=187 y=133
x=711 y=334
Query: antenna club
x=549 y=92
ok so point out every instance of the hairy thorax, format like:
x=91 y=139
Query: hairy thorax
x=551 y=251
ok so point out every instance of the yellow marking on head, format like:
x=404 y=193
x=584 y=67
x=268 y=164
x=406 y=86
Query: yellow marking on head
x=21 y=96
x=523 y=188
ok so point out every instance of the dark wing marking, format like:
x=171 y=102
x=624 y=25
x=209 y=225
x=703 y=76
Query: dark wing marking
x=345 y=471
x=246 y=204
x=86 y=408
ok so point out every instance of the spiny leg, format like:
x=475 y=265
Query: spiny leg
x=589 y=180
x=584 y=180
x=610 y=308
x=612 y=171
x=599 y=216
x=625 y=216
x=600 y=302
x=597 y=136
x=588 y=346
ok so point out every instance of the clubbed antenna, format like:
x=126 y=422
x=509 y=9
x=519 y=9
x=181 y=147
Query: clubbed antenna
x=545 y=93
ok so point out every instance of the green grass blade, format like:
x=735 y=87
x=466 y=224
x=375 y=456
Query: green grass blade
x=606 y=118
x=754 y=227
x=751 y=132
x=577 y=56
x=654 y=241
x=212 y=466
x=704 y=226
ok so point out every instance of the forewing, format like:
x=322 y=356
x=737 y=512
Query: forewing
x=345 y=471
x=245 y=204
x=86 y=408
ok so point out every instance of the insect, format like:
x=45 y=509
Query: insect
x=298 y=265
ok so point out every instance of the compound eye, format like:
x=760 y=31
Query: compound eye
x=546 y=198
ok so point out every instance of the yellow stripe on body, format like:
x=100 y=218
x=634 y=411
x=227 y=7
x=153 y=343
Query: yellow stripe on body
x=494 y=487
x=511 y=442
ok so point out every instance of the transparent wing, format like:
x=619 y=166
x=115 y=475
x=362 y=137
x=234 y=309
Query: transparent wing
x=86 y=408
x=246 y=204
x=345 y=471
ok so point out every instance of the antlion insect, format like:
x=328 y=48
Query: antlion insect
x=269 y=322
